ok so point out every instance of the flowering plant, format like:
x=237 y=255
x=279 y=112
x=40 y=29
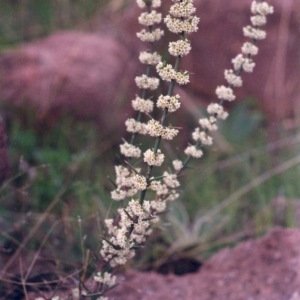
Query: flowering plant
x=142 y=189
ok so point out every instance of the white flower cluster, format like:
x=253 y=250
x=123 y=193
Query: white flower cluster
x=148 y=58
x=180 y=47
x=125 y=187
x=171 y=180
x=243 y=61
x=261 y=8
x=154 y=159
x=168 y=73
x=240 y=62
x=249 y=49
x=260 y=11
x=149 y=19
x=202 y=136
x=154 y=3
x=225 y=93
x=179 y=21
x=193 y=151
x=139 y=182
x=155 y=129
x=129 y=150
x=145 y=82
x=254 y=33
x=208 y=124
x=106 y=279
x=131 y=228
x=170 y=102
x=175 y=25
x=147 y=36
x=142 y=105
x=177 y=164
x=217 y=111
x=134 y=126
x=232 y=78
x=163 y=191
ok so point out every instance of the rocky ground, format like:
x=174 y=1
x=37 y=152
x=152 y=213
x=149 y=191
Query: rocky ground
x=264 y=269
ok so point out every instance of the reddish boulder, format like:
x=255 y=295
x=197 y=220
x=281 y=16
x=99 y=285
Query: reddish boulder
x=76 y=72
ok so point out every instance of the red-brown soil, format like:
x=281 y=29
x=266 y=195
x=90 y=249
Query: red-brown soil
x=264 y=269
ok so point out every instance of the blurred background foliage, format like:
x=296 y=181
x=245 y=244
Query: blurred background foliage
x=65 y=168
x=25 y=20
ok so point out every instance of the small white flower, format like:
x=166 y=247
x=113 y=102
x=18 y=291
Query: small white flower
x=193 y=151
x=233 y=79
x=158 y=206
x=208 y=124
x=182 y=9
x=177 y=164
x=180 y=47
x=106 y=279
x=132 y=125
x=135 y=209
x=202 y=136
x=154 y=3
x=170 y=102
x=171 y=180
x=148 y=58
x=146 y=36
x=225 y=93
x=218 y=110
x=166 y=72
x=153 y=159
x=182 y=78
x=154 y=128
x=248 y=65
x=149 y=19
x=238 y=61
x=139 y=182
x=254 y=33
x=118 y=194
x=258 y=20
x=172 y=196
x=160 y=188
x=131 y=192
x=169 y=133
x=130 y=150
x=145 y=82
x=249 y=48
x=177 y=25
x=261 y=8
x=142 y=105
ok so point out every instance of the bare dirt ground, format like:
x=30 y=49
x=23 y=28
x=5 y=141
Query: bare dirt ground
x=264 y=269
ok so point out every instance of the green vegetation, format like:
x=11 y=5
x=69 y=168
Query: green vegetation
x=24 y=20
x=66 y=169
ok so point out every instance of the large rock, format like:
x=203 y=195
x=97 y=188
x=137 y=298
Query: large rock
x=76 y=72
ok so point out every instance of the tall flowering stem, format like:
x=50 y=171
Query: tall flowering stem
x=242 y=62
x=150 y=58
x=131 y=226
